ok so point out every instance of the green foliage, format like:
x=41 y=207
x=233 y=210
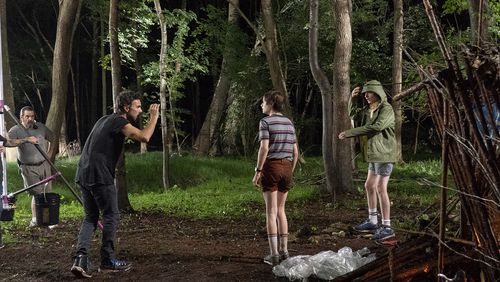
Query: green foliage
x=494 y=16
x=183 y=59
x=136 y=20
x=455 y=6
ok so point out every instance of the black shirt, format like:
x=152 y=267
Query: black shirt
x=101 y=151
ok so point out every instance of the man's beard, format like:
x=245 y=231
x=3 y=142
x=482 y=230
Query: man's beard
x=134 y=122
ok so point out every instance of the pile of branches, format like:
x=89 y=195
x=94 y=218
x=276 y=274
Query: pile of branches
x=464 y=104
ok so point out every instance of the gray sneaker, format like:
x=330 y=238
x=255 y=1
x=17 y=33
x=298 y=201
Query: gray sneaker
x=272 y=260
x=284 y=255
x=366 y=226
x=383 y=233
x=32 y=224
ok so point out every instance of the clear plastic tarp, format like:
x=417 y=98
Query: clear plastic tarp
x=325 y=265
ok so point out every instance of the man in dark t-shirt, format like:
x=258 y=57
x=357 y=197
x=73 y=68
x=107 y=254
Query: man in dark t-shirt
x=95 y=176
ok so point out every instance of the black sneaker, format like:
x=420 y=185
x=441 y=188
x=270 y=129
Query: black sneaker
x=115 y=265
x=81 y=267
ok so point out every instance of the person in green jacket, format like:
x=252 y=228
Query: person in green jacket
x=377 y=127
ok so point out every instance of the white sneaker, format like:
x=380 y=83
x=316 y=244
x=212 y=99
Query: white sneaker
x=33 y=223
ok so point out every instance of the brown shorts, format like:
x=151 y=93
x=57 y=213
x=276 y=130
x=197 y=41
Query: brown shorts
x=277 y=175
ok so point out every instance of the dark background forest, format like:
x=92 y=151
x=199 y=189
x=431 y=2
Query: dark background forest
x=31 y=27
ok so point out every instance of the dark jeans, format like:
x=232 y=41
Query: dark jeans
x=99 y=198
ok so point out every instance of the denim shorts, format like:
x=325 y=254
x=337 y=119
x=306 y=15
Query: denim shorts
x=384 y=169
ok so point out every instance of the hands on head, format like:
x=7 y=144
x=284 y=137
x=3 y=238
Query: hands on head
x=355 y=92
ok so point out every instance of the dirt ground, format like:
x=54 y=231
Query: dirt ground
x=164 y=248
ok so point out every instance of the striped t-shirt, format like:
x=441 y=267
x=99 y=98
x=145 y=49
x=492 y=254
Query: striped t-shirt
x=281 y=134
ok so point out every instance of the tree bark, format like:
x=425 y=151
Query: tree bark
x=341 y=89
x=68 y=14
x=116 y=81
x=478 y=21
x=94 y=76
x=272 y=52
x=138 y=76
x=397 y=75
x=163 y=94
x=104 y=84
x=206 y=136
x=8 y=95
x=326 y=97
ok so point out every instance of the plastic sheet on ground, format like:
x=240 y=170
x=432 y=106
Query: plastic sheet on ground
x=325 y=265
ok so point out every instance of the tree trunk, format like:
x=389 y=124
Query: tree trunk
x=94 y=76
x=68 y=13
x=138 y=75
x=326 y=97
x=397 y=75
x=104 y=85
x=478 y=21
x=163 y=94
x=272 y=53
x=341 y=88
x=116 y=82
x=8 y=95
x=206 y=136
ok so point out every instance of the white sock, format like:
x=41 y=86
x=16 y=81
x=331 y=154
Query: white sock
x=372 y=216
x=273 y=243
x=283 y=243
x=386 y=222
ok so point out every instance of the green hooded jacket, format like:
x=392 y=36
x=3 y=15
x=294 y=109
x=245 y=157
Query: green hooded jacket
x=378 y=129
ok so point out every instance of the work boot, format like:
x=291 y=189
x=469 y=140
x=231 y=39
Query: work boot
x=81 y=267
x=115 y=265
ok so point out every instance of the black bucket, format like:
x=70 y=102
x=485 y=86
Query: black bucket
x=6 y=214
x=47 y=208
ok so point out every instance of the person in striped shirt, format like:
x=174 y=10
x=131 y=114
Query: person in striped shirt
x=276 y=160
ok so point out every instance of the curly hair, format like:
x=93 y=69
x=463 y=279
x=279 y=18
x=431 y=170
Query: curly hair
x=125 y=98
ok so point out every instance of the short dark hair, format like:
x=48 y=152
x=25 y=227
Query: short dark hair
x=125 y=98
x=25 y=109
x=276 y=99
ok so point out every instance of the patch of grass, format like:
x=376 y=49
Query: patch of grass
x=221 y=188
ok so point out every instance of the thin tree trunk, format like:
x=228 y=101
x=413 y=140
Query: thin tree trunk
x=272 y=52
x=68 y=15
x=341 y=88
x=397 y=75
x=326 y=97
x=163 y=94
x=104 y=86
x=94 y=76
x=8 y=95
x=478 y=21
x=138 y=75
x=116 y=81
x=206 y=136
